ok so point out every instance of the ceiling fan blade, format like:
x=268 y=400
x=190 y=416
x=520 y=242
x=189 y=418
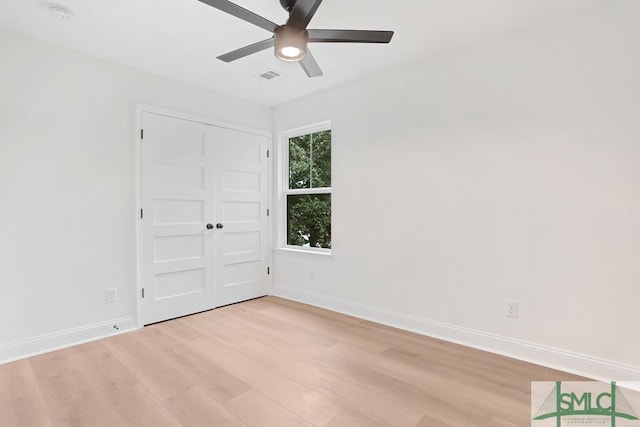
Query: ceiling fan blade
x=247 y=50
x=349 y=36
x=310 y=66
x=242 y=13
x=302 y=12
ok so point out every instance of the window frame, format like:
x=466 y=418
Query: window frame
x=284 y=191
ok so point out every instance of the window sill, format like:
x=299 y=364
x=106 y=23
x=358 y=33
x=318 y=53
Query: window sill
x=301 y=253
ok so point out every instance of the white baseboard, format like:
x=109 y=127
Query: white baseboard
x=567 y=361
x=57 y=340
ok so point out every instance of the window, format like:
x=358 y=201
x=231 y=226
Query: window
x=307 y=190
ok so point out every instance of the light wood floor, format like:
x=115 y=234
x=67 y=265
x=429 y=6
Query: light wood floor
x=269 y=362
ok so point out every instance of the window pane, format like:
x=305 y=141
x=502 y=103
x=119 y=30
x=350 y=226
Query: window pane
x=310 y=160
x=309 y=220
x=300 y=162
x=321 y=159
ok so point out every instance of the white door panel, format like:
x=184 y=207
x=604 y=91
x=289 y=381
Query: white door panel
x=176 y=188
x=194 y=174
x=241 y=169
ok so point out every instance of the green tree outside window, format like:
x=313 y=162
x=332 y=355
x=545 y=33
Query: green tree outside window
x=309 y=215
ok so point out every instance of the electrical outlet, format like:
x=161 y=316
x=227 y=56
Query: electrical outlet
x=512 y=309
x=111 y=295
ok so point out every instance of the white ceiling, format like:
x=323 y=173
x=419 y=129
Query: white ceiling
x=181 y=38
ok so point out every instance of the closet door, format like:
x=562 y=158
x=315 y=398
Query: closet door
x=241 y=202
x=203 y=235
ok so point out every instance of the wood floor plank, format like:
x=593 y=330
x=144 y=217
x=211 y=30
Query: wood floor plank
x=68 y=392
x=87 y=385
x=20 y=400
x=496 y=422
x=333 y=329
x=450 y=384
x=556 y=375
x=351 y=419
x=357 y=398
x=256 y=409
x=167 y=372
x=428 y=421
x=281 y=329
x=428 y=402
x=465 y=367
x=196 y=407
x=310 y=405
x=136 y=406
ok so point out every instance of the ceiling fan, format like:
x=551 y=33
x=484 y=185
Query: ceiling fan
x=290 y=40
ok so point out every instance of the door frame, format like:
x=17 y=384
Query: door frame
x=146 y=108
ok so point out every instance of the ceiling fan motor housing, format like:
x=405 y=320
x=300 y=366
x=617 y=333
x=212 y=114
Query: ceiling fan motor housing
x=290 y=42
x=288 y=4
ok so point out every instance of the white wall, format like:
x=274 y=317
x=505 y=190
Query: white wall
x=509 y=170
x=67 y=208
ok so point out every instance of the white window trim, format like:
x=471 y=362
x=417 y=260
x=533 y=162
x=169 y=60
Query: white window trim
x=283 y=190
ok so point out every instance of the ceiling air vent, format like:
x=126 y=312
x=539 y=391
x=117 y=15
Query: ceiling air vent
x=268 y=75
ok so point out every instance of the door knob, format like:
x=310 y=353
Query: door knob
x=209 y=226
x=218 y=225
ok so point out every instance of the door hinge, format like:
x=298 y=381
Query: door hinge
x=267 y=154
x=142 y=292
x=141 y=213
x=141 y=133
x=268 y=270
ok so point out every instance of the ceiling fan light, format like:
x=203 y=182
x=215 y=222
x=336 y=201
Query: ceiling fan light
x=290 y=43
x=290 y=51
